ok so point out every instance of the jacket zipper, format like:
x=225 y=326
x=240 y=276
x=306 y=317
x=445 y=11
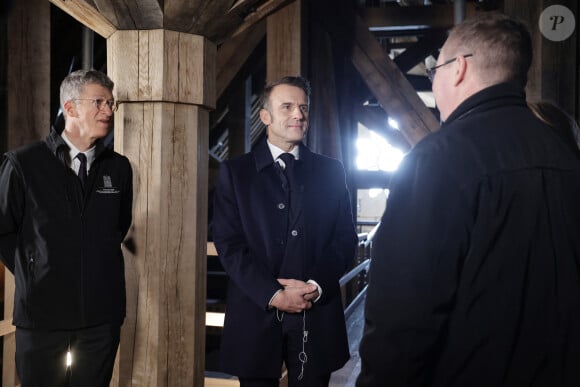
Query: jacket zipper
x=30 y=284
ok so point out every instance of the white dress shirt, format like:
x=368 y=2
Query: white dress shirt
x=74 y=151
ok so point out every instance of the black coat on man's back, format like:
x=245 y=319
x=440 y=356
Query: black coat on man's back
x=475 y=277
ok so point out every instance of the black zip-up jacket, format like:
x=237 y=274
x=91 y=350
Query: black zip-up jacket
x=63 y=246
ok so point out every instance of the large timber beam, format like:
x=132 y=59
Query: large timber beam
x=434 y=16
x=87 y=15
x=233 y=53
x=416 y=53
x=284 y=42
x=382 y=76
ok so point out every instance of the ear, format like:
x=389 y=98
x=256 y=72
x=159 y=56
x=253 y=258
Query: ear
x=460 y=70
x=70 y=108
x=265 y=116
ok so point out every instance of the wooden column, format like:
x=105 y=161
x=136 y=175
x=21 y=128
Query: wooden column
x=238 y=119
x=284 y=34
x=553 y=74
x=28 y=72
x=165 y=82
x=27 y=118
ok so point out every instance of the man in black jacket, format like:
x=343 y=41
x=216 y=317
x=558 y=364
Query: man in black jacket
x=65 y=207
x=474 y=279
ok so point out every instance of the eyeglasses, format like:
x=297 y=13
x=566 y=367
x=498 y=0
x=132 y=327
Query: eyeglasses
x=100 y=103
x=431 y=72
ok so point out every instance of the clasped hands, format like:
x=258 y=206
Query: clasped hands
x=295 y=297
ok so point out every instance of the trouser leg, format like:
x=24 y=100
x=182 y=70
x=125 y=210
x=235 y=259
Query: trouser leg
x=93 y=355
x=41 y=357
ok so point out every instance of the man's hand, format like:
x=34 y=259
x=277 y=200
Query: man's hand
x=295 y=297
x=312 y=295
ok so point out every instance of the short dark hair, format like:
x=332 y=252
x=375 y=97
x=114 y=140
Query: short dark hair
x=297 y=81
x=73 y=84
x=501 y=45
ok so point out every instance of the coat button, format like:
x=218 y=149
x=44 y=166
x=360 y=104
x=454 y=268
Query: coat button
x=281 y=206
x=294 y=233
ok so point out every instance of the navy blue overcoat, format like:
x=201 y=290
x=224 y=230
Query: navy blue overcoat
x=251 y=234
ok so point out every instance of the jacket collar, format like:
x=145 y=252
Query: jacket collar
x=60 y=149
x=497 y=95
x=55 y=142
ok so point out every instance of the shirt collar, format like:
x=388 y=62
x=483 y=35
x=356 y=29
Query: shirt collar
x=74 y=151
x=276 y=152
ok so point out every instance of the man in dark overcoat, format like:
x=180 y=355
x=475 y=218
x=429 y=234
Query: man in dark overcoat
x=284 y=231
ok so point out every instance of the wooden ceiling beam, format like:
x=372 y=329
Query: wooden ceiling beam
x=132 y=15
x=218 y=20
x=87 y=15
x=433 y=16
x=285 y=48
x=199 y=17
x=233 y=53
x=419 y=82
x=416 y=53
x=266 y=9
x=384 y=79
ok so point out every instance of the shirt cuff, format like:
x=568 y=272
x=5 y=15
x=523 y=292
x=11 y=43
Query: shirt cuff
x=272 y=299
x=319 y=289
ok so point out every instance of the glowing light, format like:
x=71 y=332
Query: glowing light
x=374 y=153
x=368 y=151
x=214 y=319
x=374 y=192
x=68 y=359
x=389 y=161
x=393 y=123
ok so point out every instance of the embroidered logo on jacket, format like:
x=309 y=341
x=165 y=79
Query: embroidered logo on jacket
x=107 y=187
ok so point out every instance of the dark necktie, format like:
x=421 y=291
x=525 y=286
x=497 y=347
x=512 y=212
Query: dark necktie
x=82 y=169
x=289 y=160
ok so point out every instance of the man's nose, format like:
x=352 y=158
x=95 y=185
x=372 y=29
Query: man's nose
x=298 y=113
x=107 y=110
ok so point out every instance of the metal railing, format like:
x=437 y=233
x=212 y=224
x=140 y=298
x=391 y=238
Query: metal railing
x=353 y=284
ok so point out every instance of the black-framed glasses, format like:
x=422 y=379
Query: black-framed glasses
x=431 y=71
x=100 y=103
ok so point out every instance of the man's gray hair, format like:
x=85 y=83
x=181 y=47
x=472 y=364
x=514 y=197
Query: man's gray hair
x=72 y=86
